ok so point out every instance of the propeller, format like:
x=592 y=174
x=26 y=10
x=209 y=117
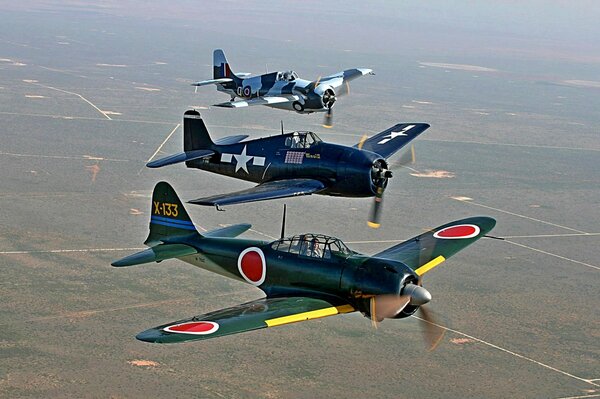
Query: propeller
x=328 y=99
x=432 y=333
x=386 y=307
x=389 y=306
x=380 y=173
x=379 y=176
x=326 y=95
x=375 y=213
x=328 y=119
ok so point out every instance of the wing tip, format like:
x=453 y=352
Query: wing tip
x=151 y=336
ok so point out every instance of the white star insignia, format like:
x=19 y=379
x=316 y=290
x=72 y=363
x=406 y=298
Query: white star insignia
x=393 y=135
x=242 y=160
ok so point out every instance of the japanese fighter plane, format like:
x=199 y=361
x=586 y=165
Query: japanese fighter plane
x=283 y=89
x=292 y=164
x=304 y=277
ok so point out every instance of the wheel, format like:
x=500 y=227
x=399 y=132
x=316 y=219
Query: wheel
x=298 y=107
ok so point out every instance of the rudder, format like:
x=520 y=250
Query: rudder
x=221 y=67
x=195 y=133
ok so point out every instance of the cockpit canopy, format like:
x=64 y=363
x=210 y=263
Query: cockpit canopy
x=287 y=76
x=302 y=140
x=313 y=246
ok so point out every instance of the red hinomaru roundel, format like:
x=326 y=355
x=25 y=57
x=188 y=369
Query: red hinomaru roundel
x=252 y=265
x=458 y=231
x=193 y=327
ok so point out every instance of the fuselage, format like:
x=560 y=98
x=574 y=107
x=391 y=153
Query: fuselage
x=345 y=275
x=272 y=85
x=345 y=171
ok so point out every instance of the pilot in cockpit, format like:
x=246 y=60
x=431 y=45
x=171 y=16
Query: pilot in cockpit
x=316 y=251
x=296 y=140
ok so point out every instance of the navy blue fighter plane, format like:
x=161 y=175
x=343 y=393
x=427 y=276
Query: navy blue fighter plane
x=292 y=164
x=281 y=89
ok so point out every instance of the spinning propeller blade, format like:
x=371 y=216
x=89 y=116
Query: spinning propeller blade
x=328 y=119
x=389 y=306
x=375 y=213
x=407 y=157
x=432 y=333
x=380 y=174
x=386 y=307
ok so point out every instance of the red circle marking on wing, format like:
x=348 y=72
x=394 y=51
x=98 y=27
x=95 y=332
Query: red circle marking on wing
x=252 y=266
x=458 y=231
x=194 y=327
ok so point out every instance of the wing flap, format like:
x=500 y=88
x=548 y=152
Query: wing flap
x=262 y=313
x=393 y=139
x=180 y=157
x=428 y=250
x=265 y=191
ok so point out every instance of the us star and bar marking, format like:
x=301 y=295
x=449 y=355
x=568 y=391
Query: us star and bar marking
x=393 y=135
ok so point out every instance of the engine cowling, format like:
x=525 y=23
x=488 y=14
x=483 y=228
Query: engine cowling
x=377 y=277
x=322 y=97
x=379 y=174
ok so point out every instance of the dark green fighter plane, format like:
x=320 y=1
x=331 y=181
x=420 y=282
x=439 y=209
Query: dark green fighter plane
x=304 y=277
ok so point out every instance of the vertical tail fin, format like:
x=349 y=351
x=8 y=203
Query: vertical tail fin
x=221 y=67
x=168 y=216
x=195 y=134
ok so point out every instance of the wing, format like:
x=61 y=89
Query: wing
x=341 y=78
x=393 y=139
x=265 y=191
x=262 y=313
x=424 y=252
x=212 y=81
x=264 y=100
x=180 y=157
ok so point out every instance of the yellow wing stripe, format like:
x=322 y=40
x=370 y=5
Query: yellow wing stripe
x=429 y=265
x=313 y=314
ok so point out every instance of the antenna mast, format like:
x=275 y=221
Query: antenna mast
x=283 y=222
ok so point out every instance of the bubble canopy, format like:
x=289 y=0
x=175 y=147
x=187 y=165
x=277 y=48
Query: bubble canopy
x=312 y=245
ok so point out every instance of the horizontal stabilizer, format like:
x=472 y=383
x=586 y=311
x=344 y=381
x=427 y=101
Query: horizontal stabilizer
x=265 y=191
x=156 y=254
x=229 y=231
x=180 y=157
x=212 y=81
x=231 y=139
